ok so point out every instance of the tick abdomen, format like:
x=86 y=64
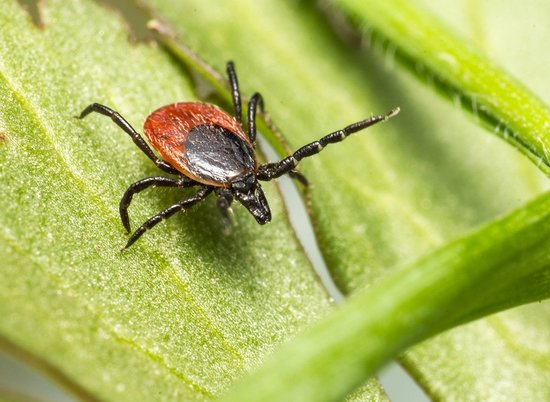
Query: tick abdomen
x=201 y=141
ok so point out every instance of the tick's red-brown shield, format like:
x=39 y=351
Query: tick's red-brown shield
x=201 y=141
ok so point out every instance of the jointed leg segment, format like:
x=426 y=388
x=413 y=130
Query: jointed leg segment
x=141 y=185
x=273 y=170
x=255 y=102
x=123 y=124
x=167 y=213
x=235 y=93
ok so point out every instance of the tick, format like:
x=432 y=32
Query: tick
x=204 y=147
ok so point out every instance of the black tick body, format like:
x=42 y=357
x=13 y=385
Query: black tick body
x=203 y=146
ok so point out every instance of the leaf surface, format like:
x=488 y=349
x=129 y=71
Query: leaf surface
x=432 y=175
x=185 y=310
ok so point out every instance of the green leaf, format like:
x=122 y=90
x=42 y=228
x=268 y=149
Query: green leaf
x=184 y=311
x=506 y=264
x=389 y=194
x=504 y=356
x=486 y=356
x=461 y=71
x=392 y=196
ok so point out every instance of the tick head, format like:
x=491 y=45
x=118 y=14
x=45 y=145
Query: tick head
x=249 y=193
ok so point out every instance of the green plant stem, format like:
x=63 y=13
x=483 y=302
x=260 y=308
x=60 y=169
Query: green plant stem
x=460 y=71
x=506 y=265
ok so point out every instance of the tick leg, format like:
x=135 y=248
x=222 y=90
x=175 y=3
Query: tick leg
x=225 y=198
x=270 y=171
x=123 y=124
x=255 y=101
x=167 y=213
x=141 y=185
x=299 y=176
x=236 y=94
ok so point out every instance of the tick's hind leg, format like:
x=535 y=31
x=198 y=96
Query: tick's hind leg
x=123 y=124
x=167 y=213
x=141 y=185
